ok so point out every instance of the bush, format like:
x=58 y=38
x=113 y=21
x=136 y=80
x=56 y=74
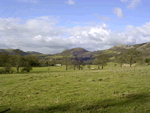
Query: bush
x=1 y=71
x=89 y=66
x=27 y=69
x=52 y=65
x=24 y=69
x=147 y=60
x=7 y=68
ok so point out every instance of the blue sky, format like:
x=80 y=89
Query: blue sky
x=50 y=26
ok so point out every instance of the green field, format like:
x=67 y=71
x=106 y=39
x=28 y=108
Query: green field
x=111 y=90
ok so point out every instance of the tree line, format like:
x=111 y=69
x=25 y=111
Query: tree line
x=8 y=61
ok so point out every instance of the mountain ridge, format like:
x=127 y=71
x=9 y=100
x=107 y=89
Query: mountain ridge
x=81 y=52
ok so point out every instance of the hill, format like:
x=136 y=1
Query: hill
x=15 y=51
x=85 y=54
x=77 y=52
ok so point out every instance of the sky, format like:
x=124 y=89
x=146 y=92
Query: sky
x=51 y=26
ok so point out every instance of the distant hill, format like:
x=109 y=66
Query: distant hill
x=33 y=52
x=74 y=52
x=15 y=51
x=85 y=54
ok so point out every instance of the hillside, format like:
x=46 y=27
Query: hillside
x=15 y=51
x=33 y=52
x=81 y=52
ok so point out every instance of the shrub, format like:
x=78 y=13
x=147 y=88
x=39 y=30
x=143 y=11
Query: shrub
x=147 y=60
x=24 y=69
x=27 y=69
x=89 y=66
x=52 y=64
x=1 y=71
x=7 y=68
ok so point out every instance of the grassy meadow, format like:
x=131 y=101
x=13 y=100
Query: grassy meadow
x=111 y=90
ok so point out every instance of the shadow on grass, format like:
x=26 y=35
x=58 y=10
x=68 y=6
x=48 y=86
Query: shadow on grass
x=32 y=72
x=99 y=105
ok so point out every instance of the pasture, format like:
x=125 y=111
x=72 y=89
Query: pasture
x=111 y=90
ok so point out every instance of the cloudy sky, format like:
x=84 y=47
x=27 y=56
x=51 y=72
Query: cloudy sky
x=50 y=26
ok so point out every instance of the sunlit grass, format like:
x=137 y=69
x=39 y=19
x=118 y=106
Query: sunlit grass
x=112 y=90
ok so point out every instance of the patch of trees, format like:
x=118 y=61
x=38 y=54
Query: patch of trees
x=131 y=56
x=8 y=61
x=101 y=60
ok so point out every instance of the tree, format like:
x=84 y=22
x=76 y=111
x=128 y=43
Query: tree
x=17 y=62
x=79 y=62
x=74 y=63
x=147 y=60
x=83 y=64
x=4 y=59
x=120 y=59
x=41 y=61
x=17 y=59
x=33 y=60
x=102 y=60
x=66 y=58
x=89 y=66
x=132 y=56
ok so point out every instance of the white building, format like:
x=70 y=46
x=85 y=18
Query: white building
x=58 y=64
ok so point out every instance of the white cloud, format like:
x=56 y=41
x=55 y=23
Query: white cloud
x=71 y=2
x=102 y=18
x=42 y=35
x=124 y=0
x=118 y=12
x=132 y=3
x=31 y=1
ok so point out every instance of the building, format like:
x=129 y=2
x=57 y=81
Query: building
x=58 y=64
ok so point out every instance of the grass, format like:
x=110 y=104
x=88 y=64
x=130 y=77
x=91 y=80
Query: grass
x=109 y=51
x=112 y=90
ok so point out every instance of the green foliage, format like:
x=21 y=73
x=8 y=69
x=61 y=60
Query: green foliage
x=120 y=59
x=132 y=56
x=4 y=59
x=52 y=65
x=102 y=60
x=147 y=60
x=6 y=69
x=33 y=60
x=27 y=69
x=89 y=66
x=79 y=62
x=66 y=58
x=1 y=71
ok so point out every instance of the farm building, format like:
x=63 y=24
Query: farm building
x=58 y=64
